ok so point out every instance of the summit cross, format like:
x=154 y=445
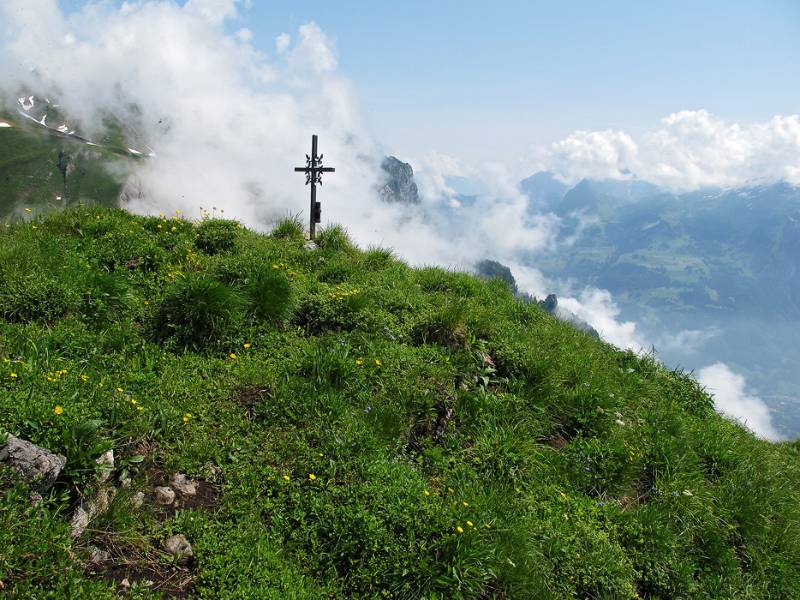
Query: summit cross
x=314 y=171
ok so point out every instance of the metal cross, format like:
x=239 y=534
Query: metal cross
x=314 y=171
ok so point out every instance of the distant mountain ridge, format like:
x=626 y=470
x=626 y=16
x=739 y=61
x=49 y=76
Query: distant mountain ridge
x=723 y=249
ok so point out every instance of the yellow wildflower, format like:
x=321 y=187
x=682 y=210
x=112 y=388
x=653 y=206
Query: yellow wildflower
x=84 y=378
x=134 y=402
x=27 y=210
x=359 y=362
x=451 y=490
x=232 y=356
x=311 y=476
x=246 y=346
x=460 y=529
x=286 y=477
x=465 y=504
x=378 y=362
x=140 y=408
x=120 y=390
x=34 y=227
x=187 y=417
x=426 y=492
x=470 y=524
x=58 y=409
x=13 y=375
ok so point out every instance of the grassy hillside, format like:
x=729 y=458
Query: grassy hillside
x=357 y=428
x=30 y=157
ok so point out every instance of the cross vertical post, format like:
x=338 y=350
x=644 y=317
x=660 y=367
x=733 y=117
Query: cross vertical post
x=314 y=171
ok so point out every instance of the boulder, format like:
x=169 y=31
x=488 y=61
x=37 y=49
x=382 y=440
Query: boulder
x=184 y=486
x=164 y=495
x=178 y=545
x=38 y=465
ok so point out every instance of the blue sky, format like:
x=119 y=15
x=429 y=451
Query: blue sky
x=491 y=79
x=504 y=74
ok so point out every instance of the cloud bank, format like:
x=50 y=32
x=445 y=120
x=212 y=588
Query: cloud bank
x=731 y=398
x=690 y=149
x=228 y=122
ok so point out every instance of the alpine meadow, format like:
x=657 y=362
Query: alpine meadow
x=520 y=322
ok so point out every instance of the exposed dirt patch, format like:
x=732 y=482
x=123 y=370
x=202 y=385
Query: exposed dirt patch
x=432 y=429
x=128 y=567
x=250 y=397
x=556 y=441
x=206 y=496
x=454 y=338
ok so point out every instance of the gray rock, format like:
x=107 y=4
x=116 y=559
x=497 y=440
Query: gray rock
x=106 y=462
x=89 y=509
x=184 y=486
x=178 y=545
x=399 y=185
x=96 y=555
x=38 y=465
x=79 y=522
x=310 y=245
x=137 y=499
x=164 y=495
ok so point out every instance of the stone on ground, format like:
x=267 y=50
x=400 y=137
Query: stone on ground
x=38 y=465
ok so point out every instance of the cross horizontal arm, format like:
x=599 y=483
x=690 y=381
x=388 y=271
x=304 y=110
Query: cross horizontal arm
x=301 y=169
x=325 y=169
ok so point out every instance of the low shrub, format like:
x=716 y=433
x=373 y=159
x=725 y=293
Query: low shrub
x=289 y=228
x=217 y=235
x=129 y=248
x=340 y=308
x=198 y=311
x=36 y=297
x=335 y=238
x=269 y=294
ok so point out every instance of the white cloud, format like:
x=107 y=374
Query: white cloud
x=687 y=340
x=282 y=42
x=690 y=149
x=214 y=11
x=228 y=124
x=597 y=308
x=596 y=154
x=732 y=399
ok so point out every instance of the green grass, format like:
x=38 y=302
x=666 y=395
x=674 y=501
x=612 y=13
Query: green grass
x=462 y=444
x=30 y=175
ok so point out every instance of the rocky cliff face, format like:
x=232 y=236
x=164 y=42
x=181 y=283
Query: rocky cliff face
x=399 y=184
x=491 y=269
